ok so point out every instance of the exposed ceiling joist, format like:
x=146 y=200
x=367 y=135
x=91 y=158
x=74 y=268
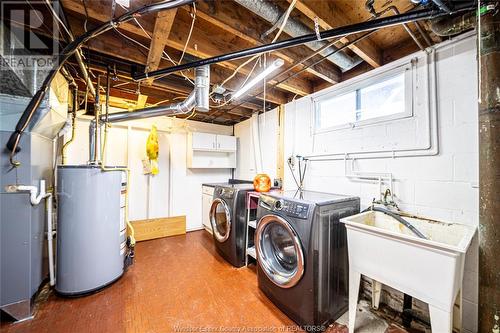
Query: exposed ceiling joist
x=329 y=17
x=163 y=25
x=112 y=45
x=205 y=42
x=232 y=19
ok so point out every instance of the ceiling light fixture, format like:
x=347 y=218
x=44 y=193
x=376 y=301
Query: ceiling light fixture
x=275 y=65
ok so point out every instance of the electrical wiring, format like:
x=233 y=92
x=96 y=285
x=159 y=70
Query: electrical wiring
x=280 y=30
x=161 y=102
x=193 y=15
x=191 y=115
x=132 y=40
x=242 y=84
x=279 y=22
x=282 y=26
x=166 y=55
x=78 y=53
x=31 y=111
x=56 y=16
x=86 y=15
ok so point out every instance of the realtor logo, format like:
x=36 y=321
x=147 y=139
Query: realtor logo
x=29 y=35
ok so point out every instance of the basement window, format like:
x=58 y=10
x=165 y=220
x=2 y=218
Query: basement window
x=384 y=97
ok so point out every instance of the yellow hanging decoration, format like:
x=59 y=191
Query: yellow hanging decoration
x=152 y=149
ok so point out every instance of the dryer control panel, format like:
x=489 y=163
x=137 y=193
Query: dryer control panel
x=291 y=208
x=225 y=192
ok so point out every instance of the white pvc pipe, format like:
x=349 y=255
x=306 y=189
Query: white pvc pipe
x=50 y=236
x=35 y=199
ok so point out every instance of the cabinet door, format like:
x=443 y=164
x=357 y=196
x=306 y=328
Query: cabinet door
x=203 y=141
x=206 y=203
x=226 y=143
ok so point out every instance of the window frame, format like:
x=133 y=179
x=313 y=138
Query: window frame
x=407 y=69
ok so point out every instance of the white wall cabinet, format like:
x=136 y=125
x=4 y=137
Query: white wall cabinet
x=207 y=195
x=226 y=143
x=204 y=141
x=206 y=150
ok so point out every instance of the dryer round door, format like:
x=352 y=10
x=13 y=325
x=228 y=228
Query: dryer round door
x=279 y=251
x=220 y=218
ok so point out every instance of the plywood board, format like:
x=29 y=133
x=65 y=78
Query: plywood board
x=159 y=227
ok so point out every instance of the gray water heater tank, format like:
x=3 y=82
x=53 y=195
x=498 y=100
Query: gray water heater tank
x=91 y=229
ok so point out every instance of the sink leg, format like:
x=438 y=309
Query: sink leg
x=441 y=320
x=457 y=312
x=376 y=291
x=354 y=280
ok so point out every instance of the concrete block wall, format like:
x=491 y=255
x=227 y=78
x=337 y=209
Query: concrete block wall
x=268 y=130
x=443 y=186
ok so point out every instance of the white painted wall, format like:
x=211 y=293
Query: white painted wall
x=176 y=190
x=441 y=186
x=268 y=125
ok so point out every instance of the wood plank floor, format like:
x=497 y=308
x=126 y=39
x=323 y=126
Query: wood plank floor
x=177 y=284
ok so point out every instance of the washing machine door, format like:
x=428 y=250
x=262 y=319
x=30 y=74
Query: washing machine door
x=279 y=251
x=220 y=218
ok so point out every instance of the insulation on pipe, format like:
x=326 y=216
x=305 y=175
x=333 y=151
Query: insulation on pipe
x=272 y=13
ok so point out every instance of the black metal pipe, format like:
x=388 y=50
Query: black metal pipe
x=407 y=315
x=442 y=5
x=69 y=50
x=322 y=58
x=422 y=14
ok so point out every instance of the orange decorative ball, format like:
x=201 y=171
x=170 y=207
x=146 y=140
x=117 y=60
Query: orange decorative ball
x=262 y=183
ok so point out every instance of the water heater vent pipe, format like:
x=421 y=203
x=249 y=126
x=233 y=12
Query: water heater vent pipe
x=198 y=98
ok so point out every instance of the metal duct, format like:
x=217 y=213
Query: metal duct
x=198 y=98
x=442 y=5
x=272 y=13
x=453 y=25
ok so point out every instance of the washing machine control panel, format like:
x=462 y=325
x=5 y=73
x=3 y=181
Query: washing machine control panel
x=293 y=209
x=226 y=193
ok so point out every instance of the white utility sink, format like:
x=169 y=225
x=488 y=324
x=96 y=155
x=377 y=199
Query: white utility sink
x=429 y=269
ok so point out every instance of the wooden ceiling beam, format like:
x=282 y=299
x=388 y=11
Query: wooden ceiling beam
x=111 y=44
x=159 y=89
x=163 y=25
x=204 y=43
x=245 y=25
x=207 y=42
x=329 y=17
